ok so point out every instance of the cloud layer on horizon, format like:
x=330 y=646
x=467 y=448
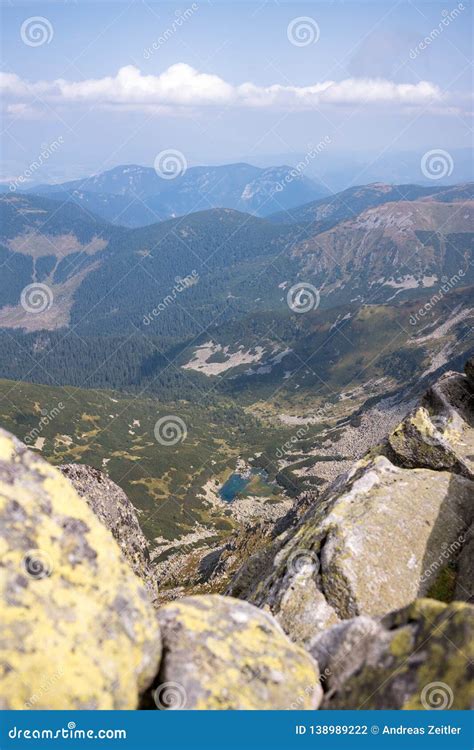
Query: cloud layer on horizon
x=181 y=86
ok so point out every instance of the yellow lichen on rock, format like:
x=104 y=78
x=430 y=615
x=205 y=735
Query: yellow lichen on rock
x=418 y=657
x=222 y=653
x=77 y=630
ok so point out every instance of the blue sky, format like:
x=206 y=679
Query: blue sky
x=224 y=82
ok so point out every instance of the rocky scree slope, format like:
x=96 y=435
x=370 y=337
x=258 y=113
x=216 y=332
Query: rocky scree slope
x=338 y=622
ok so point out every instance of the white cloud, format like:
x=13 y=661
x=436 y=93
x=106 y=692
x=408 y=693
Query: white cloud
x=181 y=86
x=24 y=111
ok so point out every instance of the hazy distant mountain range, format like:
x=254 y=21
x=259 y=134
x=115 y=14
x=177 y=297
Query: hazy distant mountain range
x=245 y=327
x=134 y=196
x=338 y=170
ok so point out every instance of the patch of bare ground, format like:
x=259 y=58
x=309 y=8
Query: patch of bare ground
x=38 y=245
x=54 y=317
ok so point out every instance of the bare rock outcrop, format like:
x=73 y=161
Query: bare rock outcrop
x=439 y=434
x=110 y=503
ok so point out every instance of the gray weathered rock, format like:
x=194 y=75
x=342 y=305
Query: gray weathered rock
x=469 y=370
x=417 y=658
x=465 y=570
x=344 y=649
x=373 y=545
x=439 y=434
x=110 y=503
x=221 y=653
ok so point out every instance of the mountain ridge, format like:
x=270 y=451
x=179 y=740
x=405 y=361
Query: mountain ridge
x=131 y=195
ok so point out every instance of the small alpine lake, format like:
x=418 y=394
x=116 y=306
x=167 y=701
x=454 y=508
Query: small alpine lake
x=237 y=483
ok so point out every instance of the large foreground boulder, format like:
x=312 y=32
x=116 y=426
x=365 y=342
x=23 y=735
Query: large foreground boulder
x=110 y=503
x=220 y=653
x=419 y=657
x=374 y=545
x=77 y=630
